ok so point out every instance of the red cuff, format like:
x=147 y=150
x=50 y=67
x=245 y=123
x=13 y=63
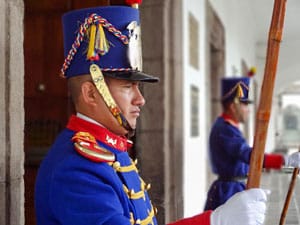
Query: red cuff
x=203 y=219
x=273 y=161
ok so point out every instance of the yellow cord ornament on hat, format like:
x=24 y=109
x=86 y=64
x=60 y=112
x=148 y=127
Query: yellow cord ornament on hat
x=239 y=90
x=92 y=28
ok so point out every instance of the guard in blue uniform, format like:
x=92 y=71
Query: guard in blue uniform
x=228 y=149
x=87 y=177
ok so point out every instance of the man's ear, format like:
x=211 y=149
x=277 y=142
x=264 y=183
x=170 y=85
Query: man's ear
x=232 y=106
x=89 y=92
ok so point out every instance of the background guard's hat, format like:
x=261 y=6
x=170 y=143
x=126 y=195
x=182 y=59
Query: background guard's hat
x=107 y=36
x=235 y=88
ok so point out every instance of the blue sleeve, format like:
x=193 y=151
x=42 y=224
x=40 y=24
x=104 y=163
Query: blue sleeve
x=86 y=194
x=235 y=145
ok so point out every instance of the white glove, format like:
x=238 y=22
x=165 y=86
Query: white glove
x=246 y=207
x=293 y=160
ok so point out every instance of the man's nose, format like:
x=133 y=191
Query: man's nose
x=139 y=99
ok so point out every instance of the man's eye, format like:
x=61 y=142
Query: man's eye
x=127 y=86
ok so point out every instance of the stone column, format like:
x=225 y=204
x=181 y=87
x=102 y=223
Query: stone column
x=11 y=112
x=159 y=140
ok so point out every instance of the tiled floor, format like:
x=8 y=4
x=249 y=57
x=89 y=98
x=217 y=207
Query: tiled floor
x=278 y=183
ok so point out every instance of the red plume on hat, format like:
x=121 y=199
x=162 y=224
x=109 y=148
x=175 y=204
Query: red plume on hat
x=133 y=3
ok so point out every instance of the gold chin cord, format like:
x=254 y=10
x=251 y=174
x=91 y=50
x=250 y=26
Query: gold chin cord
x=99 y=81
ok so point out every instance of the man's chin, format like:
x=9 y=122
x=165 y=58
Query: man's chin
x=133 y=126
x=132 y=123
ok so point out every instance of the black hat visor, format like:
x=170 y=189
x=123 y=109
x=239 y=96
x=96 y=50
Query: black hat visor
x=131 y=76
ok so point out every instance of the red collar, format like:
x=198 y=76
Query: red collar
x=229 y=119
x=100 y=133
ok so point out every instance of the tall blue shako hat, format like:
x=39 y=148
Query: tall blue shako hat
x=104 y=41
x=235 y=89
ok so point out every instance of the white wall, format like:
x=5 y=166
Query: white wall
x=239 y=33
x=194 y=152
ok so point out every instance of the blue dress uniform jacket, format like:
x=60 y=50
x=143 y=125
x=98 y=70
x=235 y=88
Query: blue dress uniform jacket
x=72 y=189
x=230 y=157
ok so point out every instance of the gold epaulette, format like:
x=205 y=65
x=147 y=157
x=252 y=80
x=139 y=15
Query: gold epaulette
x=85 y=144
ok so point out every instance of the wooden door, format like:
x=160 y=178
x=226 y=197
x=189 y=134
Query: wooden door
x=47 y=104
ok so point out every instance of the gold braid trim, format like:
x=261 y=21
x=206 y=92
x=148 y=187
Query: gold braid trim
x=123 y=169
x=134 y=195
x=131 y=219
x=148 y=220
